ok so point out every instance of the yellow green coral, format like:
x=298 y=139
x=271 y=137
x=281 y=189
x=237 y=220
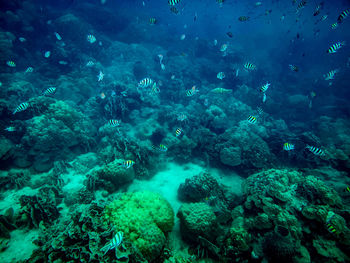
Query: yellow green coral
x=144 y=218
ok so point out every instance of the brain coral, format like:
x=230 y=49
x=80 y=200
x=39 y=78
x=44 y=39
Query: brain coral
x=144 y=218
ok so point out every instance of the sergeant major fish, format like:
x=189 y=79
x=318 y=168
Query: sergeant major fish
x=127 y=164
x=288 y=146
x=114 y=123
x=251 y=119
x=265 y=87
x=49 y=91
x=220 y=75
x=335 y=47
x=113 y=244
x=330 y=75
x=343 y=15
x=21 y=107
x=315 y=150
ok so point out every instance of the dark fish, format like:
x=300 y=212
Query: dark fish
x=49 y=91
x=343 y=15
x=152 y=21
x=315 y=150
x=251 y=119
x=229 y=34
x=243 y=18
x=21 y=107
x=173 y=2
x=174 y=10
x=335 y=47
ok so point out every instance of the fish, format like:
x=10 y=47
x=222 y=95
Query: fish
x=47 y=54
x=90 y=63
x=288 y=146
x=300 y=6
x=21 y=107
x=102 y=95
x=220 y=2
x=249 y=66
x=215 y=42
x=220 y=75
x=174 y=10
x=229 y=34
x=29 y=70
x=221 y=90
x=293 y=68
x=49 y=91
x=315 y=150
x=237 y=72
x=343 y=15
x=100 y=76
x=258 y=4
x=191 y=91
x=330 y=75
x=114 y=243
x=22 y=39
x=331 y=228
x=243 y=18
x=223 y=48
x=160 y=148
x=265 y=87
x=259 y=110
x=152 y=21
x=264 y=98
x=334 y=25
x=162 y=66
x=181 y=117
x=155 y=89
x=182 y=37
x=127 y=164
x=178 y=132
x=324 y=17
x=11 y=64
x=145 y=83
x=251 y=119
x=114 y=123
x=347 y=189
x=312 y=94
x=58 y=36
x=173 y=2
x=335 y=47
x=318 y=9
x=10 y=129
x=91 y=38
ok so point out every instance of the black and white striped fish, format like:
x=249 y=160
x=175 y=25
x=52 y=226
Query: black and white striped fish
x=173 y=2
x=335 y=47
x=343 y=15
x=251 y=119
x=114 y=123
x=301 y=5
x=178 y=132
x=146 y=82
x=21 y=107
x=288 y=146
x=334 y=25
x=330 y=75
x=127 y=164
x=114 y=243
x=249 y=66
x=49 y=91
x=315 y=150
x=264 y=88
x=293 y=68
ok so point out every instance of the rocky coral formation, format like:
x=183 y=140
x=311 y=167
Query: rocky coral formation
x=144 y=218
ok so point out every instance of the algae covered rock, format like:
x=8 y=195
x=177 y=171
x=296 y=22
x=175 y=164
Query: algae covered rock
x=231 y=156
x=144 y=218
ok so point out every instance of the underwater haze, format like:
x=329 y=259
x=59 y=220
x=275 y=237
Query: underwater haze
x=175 y=131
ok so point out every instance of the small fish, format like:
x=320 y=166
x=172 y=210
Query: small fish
x=288 y=147
x=237 y=72
x=221 y=90
x=22 y=39
x=63 y=62
x=21 y=107
x=331 y=228
x=343 y=15
x=347 y=189
x=293 y=68
x=334 y=25
x=11 y=64
x=191 y=91
x=162 y=66
x=91 y=38
x=155 y=89
x=182 y=37
x=330 y=75
x=174 y=10
x=220 y=75
x=100 y=76
x=335 y=47
x=315 y=150
x=223 y=48
x=47 y=54
x=178 y=132
x=215 y=42
x=265 y=87
x=10 y=129
x=301 y=5
x=58 y=36
x=229 y=34
x=181 y=117
x=249 y=66
x=114 y=243
x=251 y=119
x=160 y=148
x=264 y=98
x=258 y=4
x=114 y=123
x=102 y=95
x=146 y=82
x=259 y=110
x=318 y=9
x=127 y=164
x=152 y=21
x=173 y=2
x=312 y=94
x=324 y=17
x=220 y=2
x=243 y=18
x=49 y=91
x=29 y=70
x=90 y=63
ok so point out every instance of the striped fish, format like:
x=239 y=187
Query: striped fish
x=152 y=21
x=264 y=88
x=260 y=110
x=251 y=119
x=29 y=70
x=334 y=26
x=21 y=107
x=301 y=5
x=91 y=38
x=173 y=2
x=178 y=132
x=220 y=75
x=330 y=75
x=249 y=66
x=331 y=228
x=335 y=47
x=155 y=89
x=114 y=123
x=293 y=68
x=160 y=148
x=343 y=15
x=315 y=150
x=127 y=164
x=114 y=243
x=347 y=189
x=146 y=82
x=11 y=63
x=288 y=147
x=191 y=91
x=49 y=91
x=243 y=18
